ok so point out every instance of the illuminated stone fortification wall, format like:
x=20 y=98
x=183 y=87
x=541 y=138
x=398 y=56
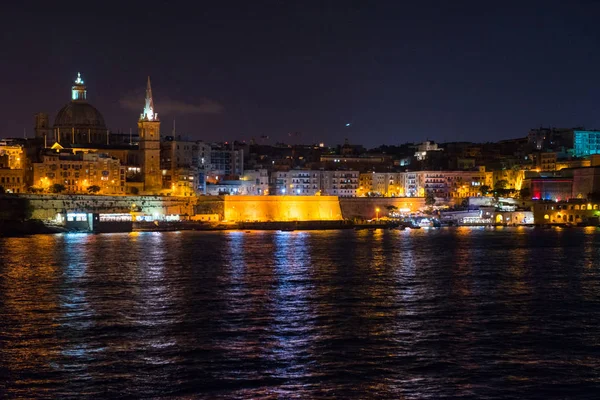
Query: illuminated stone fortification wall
x=47 y=206
x=282 y=208
x=365 y=207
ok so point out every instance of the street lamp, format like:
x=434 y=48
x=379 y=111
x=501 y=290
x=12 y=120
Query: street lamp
x=377 y=213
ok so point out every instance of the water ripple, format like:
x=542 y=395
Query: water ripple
x=452 y=313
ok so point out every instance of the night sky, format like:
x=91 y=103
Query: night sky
x=397 y=71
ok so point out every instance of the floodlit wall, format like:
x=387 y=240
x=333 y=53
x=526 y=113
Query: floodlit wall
x=365 y=207
x=282 y=208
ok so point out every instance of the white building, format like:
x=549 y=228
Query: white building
x=256 y=182
x=312 y=182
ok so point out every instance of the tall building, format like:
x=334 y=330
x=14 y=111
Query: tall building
x=179 y=166
x=149 y=134
x=226 y=162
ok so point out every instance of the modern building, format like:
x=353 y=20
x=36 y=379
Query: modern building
x=586 y=143
x=226 y=162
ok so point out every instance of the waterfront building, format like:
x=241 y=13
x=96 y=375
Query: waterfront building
x=77 y=172
x=563 y=212
x=444 y=185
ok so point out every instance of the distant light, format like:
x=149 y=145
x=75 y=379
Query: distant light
x=348 y=124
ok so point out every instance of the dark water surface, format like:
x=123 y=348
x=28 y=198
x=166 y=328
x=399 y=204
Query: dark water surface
x=451 y=313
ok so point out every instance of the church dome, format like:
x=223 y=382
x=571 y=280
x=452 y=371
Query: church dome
x=78 y=114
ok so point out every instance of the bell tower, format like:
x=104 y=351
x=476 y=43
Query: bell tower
x=149 y=132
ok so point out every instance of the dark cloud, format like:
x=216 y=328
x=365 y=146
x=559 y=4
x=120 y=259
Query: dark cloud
x=169 y=106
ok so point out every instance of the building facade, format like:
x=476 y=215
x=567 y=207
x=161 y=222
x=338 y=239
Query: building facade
x=316 y=182
x=77 y=172
x=179 y=166
x=586 y=143
x=12 y=180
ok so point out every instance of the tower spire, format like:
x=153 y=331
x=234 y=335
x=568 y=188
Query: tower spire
x=148 y=114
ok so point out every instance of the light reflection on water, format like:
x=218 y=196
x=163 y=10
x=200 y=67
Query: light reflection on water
x=481 y=313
